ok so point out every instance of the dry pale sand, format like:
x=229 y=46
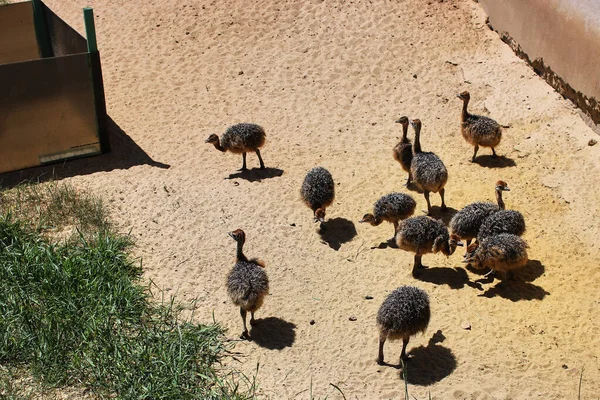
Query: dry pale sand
x=327 y=79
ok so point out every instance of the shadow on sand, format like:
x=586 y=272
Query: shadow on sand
x=257 y=174
x=337 y=231
x=413 y=187
x=516 y=291
x=518 y=287
x=495 y=162
x=444 y=216
x=124 y=154
x=456 y=278
x=428 y=364
x=387 y=244
x=531 y=271
x=273 y=333
x=436 y=211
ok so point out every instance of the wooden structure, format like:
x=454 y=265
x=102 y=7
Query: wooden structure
x=52 y=105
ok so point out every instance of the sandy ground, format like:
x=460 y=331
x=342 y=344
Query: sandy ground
x=327 y=79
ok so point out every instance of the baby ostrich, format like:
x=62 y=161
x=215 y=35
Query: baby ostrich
x=247 y=282
x=392 y=207
x=318 y=191
x=503 y=221
x=403 y=150
x=240 y=138
x=466 y=222
x=477 y=129
x=503 y=253
x=427 y=170
x=404 y=313
x=422 y=235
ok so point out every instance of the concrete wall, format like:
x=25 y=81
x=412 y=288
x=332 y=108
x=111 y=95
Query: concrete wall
x=560 y=38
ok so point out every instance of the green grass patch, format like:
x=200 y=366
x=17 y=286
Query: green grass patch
x=74 y=315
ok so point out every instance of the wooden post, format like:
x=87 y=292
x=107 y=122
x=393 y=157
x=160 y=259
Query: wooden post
x=98 y=84
x=41 y=29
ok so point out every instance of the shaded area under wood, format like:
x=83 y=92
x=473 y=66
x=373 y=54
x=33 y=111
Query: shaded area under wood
x=124 y=154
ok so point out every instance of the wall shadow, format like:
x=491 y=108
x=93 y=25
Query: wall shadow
x=429 y=364
x=337 y=231
x=489 y=161
x=273 y=333
x=124 y=154
x=257 y=174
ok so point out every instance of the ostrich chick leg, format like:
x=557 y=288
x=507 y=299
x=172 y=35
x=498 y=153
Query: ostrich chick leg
x=245 y=334
x=244 y=162
x=381 y=343
x=403 y=356
x=262 y=164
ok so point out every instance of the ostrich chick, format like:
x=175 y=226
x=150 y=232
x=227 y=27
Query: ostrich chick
x=427 y=170
x=247 y=282
x=503 y=253
x=466 y=222
x=478 y=130
x=404 y=313
x=318 y=191
x=392 y=207
x=240 y=138
x=403 y=150
x=503 y=221
x=422 y=235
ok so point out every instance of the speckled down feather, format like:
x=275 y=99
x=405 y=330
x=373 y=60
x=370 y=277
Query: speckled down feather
x=481 y=130
x=405 y=312
x=241 y=138
x=403 y=153
x=501 y=252
x=420 y=233
x=467 y=222
x=503 y=221
x=247 y=284
x=394 y=206
x=318 y=189
x=428 y=171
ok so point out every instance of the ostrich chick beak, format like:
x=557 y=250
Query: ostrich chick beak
x=231 y=235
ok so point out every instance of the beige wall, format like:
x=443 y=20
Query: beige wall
x=558 y=35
